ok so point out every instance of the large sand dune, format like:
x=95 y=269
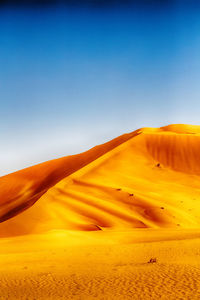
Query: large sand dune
x=146 y=179
x=142 y=187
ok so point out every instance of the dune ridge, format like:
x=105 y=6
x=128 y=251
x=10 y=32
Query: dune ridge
x=148 y=178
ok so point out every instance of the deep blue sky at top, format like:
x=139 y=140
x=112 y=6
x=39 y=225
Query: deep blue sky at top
x=76 y=75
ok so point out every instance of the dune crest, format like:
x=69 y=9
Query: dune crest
x=145 y=179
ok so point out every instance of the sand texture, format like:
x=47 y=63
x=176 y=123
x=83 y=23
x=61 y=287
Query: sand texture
x=119 y=221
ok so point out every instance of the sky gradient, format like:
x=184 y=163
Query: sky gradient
x=73 y=76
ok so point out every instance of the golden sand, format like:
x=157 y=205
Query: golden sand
x=120 y=221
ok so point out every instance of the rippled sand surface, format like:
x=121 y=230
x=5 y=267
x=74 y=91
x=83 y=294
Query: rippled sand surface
x=65 y=265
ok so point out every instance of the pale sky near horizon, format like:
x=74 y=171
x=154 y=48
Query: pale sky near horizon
x=72 y=77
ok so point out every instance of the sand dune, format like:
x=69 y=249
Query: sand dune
x=146 y=179
x=86 y=226
x=22 y=189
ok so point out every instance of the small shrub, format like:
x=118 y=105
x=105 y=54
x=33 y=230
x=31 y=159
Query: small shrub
x=153 y=260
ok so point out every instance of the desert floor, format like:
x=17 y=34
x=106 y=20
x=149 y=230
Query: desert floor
x=101 y=265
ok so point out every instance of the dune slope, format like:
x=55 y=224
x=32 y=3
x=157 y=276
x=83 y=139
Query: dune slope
x=146 y=179
x=22 y=189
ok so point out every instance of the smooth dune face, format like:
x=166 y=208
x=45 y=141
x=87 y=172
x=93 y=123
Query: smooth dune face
x=146 y=179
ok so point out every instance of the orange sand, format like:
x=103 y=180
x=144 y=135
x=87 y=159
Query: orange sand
x=86 y=226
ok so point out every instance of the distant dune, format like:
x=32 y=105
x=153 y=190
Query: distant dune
x=144 y=179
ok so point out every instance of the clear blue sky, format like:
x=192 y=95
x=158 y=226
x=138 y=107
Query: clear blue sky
x=75 y=76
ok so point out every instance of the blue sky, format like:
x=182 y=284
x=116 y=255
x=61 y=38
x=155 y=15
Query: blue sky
x=75 y=76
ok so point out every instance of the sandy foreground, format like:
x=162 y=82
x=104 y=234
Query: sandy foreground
x=119 y=221
x=101 y=265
